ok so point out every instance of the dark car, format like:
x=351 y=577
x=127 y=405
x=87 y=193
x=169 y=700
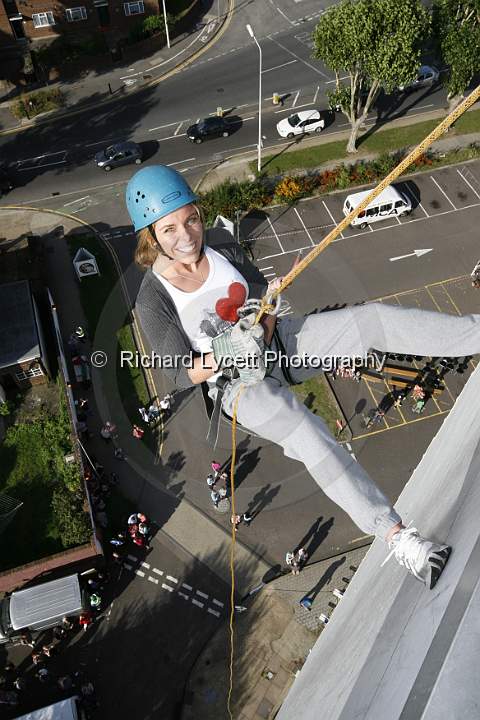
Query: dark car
x=208 y=128
x=119 y=154
x=6 y=183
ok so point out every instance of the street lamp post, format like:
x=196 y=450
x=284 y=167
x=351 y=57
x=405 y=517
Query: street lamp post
x=166 y=24
x=259 y=146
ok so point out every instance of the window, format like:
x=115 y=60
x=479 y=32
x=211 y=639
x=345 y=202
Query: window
x=385 y=208
x=399 y=204
x=43 y=19
x=34 y=372
x=134 y=8
x=76 y=13
x=371 y=212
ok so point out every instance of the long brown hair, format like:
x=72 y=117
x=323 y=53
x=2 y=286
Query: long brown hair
x=148 y=247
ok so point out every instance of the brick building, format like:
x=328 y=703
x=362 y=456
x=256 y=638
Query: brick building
x=22 y=21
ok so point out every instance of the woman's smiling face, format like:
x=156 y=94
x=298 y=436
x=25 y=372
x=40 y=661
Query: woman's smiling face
x=180 y=234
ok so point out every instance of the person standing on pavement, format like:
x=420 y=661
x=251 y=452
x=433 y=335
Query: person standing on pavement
x=247 y=518
x=216 y=467
x=107 y=431
x=211 y=481
x=215 y=498
x=194 y=291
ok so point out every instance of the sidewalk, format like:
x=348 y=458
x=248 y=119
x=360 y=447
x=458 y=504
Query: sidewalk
x=239 y=168
x=273 y=638
x=129 y=77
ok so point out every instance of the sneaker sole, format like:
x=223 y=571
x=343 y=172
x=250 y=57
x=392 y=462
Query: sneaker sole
x=438 y=562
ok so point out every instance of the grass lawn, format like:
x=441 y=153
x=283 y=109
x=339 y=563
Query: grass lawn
x=318 y=398
x=28 y=458
x=378 y=142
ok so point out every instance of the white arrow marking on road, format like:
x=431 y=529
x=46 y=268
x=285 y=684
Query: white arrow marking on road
x=418 y=253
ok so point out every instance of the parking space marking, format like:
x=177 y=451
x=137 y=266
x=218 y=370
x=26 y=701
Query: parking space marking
x=332 y=218
x=276 y=234
x=316 y=93
x=178 y=128
x=304 y=227
x=416 y=200
x=269 y=267
x=312 y=67
x=443 y=192
x=279 y=66
x=469 y=184
x=167 y=587
x=295 y=99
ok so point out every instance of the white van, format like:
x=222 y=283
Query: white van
x=68 y=709
x=40 y=607
x=389 y=203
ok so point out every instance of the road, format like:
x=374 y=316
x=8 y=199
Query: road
x=58 y=156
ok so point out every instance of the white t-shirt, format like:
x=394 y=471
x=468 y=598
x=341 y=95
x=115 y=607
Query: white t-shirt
x=197 y=309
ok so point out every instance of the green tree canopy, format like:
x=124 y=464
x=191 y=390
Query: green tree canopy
x=457 y=29
x=377 y=43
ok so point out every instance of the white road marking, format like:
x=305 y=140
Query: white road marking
x=185 y=597
x=316 y=93
x=127 y=567
x=139 y=572
x=167 y=587
x=171 y=137
x=159 y=572
x=179 y=162
x=269 y=267
x=79 y=200
x=189 y=587
x=296 y=108
x=279 y=66
x=469 y=184
x=312 y=67
x=178 y=128
x=332 y=218
x=160 y=127
x=443 y=192
x=416 y=199
x=202 y=594
x=295 y=99
x=283 y=14
x=345 y=77
x=415 y=253
x=304 y=227
x=266 y=275
x=172 y=579
x=199 y=604
x=213 y=612
x=217 y=602
x=276 y=235
x=145 y=565
x=152 y=579
x=132 y=558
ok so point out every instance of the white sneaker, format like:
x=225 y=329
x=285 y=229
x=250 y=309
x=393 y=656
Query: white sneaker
x=423 y=558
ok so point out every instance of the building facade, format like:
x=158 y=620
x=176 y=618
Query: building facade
x=23 y=21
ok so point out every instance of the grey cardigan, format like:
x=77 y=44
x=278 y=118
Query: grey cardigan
x=158 y=315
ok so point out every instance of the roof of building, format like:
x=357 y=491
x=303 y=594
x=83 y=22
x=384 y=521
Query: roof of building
x=393 y=649
x=18 y=328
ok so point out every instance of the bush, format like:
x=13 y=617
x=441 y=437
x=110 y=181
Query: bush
x=149 y=26
x=289 y=189
x=230 y=196
x=38 y=102
x=72 y=520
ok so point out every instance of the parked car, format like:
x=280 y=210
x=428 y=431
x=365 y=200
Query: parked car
x=6 y=183
x=208 y=128
x=119 y=154
x=302 y=122
x=426 y=76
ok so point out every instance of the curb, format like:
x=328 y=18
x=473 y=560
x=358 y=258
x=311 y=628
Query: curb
x=152 y=83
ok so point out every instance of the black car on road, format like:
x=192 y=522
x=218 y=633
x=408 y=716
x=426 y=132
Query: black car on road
x=6 y=183
x=208 y=128
x=122 y=153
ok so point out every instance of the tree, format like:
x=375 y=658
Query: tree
x=456 y=26
x=377 y=43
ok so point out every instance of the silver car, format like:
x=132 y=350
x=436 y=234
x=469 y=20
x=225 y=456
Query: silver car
x=118 y=154
x=426 y=76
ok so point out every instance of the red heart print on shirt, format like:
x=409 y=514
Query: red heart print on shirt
x=226 y=307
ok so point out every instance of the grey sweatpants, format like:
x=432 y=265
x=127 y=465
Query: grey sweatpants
x=273 y=412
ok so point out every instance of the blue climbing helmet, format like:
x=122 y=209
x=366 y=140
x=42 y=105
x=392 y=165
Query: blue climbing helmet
x=154 y=192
